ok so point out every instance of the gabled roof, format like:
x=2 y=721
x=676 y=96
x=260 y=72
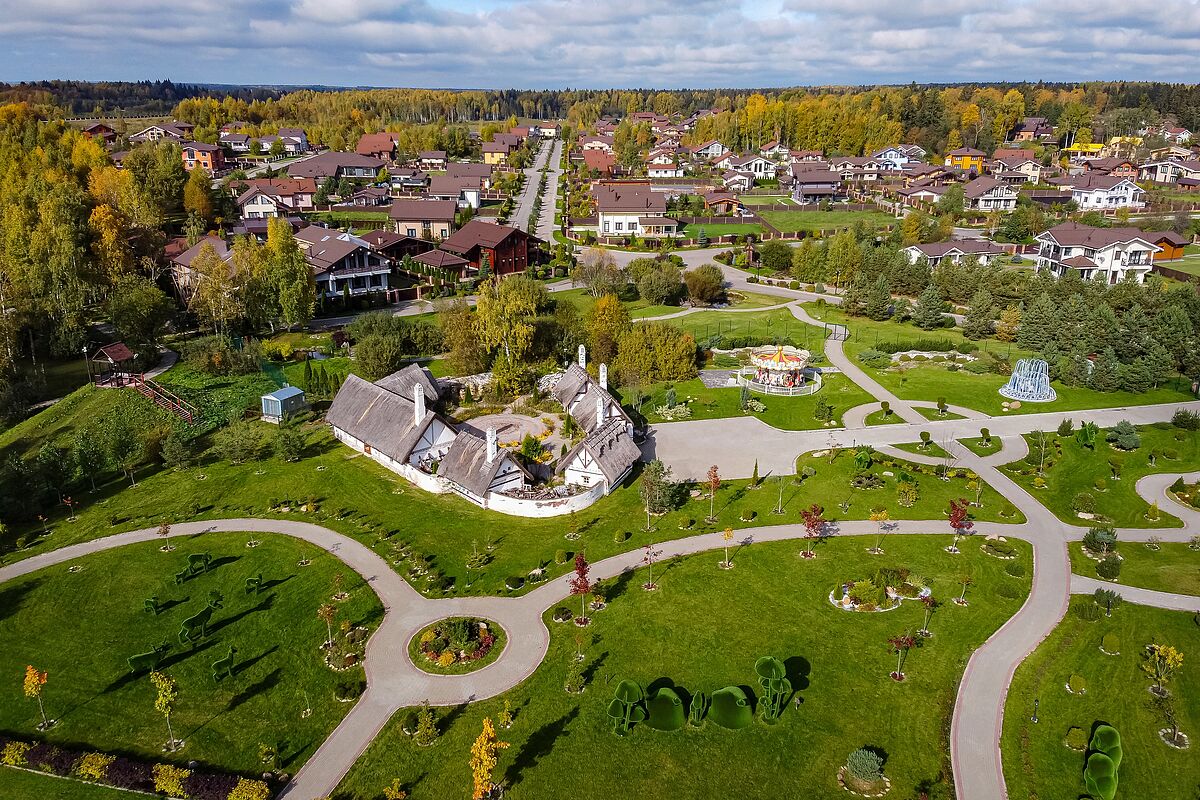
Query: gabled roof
x=967 y=247
x=329 y=163
x=576 y=384
x=612 y=447
x=441 y=259
x=115 y=352
x=403 y=380
x=1075 y=234
x=466 y=464
x=457 y=169
x=378 y=417
x=221 y=247
x=1170 y=237
x=324 y=247
x=631 y=199
x=371 y=143
x=434 y=210
x=982 y=185
x=478 y=233
x=965 y=151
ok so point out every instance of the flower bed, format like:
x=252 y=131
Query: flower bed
x=884 y=591
x=456 y=645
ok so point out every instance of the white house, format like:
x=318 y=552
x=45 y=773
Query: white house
x=631 y=210
x=988 y=194
x=1110 y=254
x=1025 y=170
x=955 y=252
x=710 y=149
x=856 y=168
x=1091 y=191
x=773 y=149
x=896 y=157
x=608 y=452
x=664 y=171
x=1169 y=170
x=761 y=168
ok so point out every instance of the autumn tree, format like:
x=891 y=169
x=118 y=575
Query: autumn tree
x=1008 y=324
x=960 y=523
x=814 y=526
x=139 y=310
x=464 y=351
x=197 y=194
x=504 y=322
x=727 y=536
x=714 y=483
x=483 y=761
x=1162 y=660
x=598 y=272
x=582 y=586
x=291 y=276
x=606 y=321
x=327 y=614
x=35 y=681
x=901 y=645
x=167 y=692
x=214 y=298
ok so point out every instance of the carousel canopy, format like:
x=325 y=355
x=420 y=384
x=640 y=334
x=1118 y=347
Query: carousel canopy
x=780 y=357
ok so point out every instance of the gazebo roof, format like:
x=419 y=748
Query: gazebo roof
x=114 y=353
x=781 y=357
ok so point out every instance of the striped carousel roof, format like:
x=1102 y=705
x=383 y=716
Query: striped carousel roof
x=781 y=357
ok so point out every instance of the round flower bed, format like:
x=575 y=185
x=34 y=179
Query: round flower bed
x=456 y=645
x=885 y=591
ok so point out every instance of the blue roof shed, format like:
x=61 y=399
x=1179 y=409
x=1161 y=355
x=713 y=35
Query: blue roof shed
x=281 y=402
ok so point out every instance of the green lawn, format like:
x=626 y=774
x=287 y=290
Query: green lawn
x=1079 y=468
x=931 y=380
x=722 y=229
x=786 y=413
x=1037 y=764
x=932 y=451
x=881 y=418
x=934 y=414
x=99 y=704
x=17 y=784
x=1173 y=568
x=788 y=221
x=977 y=447
x=703 y=630
x=757 y=201
x=764 y=327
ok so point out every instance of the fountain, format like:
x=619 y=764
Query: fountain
x=1030 y=382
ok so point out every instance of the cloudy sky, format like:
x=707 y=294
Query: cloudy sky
x=594 y=43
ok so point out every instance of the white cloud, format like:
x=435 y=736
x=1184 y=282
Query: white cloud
x=584 y=43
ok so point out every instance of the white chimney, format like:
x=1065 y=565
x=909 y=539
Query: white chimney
x=604 y=377
x=418 y=404
x=582 y=357
x=492 y=448
x=601 y=407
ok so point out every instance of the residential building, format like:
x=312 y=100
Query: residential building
x=1016 y=170
x=395 y=246
x=466 y=192
x=1032 y=129
x=710 y=149
x=600 y=161
x=1176 y=135
x=495 y=152
x=1093 y=192
x=856 y=169
x=1170 y=244
x=443 y=261
x=1013 y=152
x=607 y=453
x=986 y=194
x=100 y=132
x=1117 y=167
x=761 y=168
x=773 y=149
x=342 y=261
x=1169 y=170
x=1109 y=254
x=460 y=169
x=295 y=140
x=795 y=156
x=423 y=219
x=261 y=198
x=208 y=156
x=172 y=131
x=406 y=179
x=432 y=160
x=337 y=165
x=664 y=171
x=967 y=159
x=377 y=145
x=182 y=274
x=622 y=208
x=604 y=143
x=955 y=251
x=234 y=142
x=737 y=181
x=507 y=249
x=814 y=185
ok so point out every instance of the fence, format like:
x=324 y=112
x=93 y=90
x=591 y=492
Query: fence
x=1175 y=274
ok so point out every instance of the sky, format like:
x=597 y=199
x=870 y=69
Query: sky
x=599 y=44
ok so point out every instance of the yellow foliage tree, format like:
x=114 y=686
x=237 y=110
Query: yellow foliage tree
x=1161 y=662
x=164 y=701
x=483 y=760
x=34 y=681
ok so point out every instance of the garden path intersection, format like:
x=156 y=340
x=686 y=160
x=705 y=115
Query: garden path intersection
x=394 y=682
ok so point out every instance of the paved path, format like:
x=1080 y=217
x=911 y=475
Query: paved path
x=546 y=226
x=1135 y=594
x=533 y=177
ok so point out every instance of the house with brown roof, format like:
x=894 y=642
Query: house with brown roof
x=471 y=169
x=395 y=247
x=1032 y=129
x=1170 y=170
x=464 y=192
x=444 y=261
x=1109 y=254
x=337 y=165
x=506 y=249
x=495 y=152
x=423 y=219
x=604 y=143
x=1170 y=244
x=208 y=156
x=182 y=274
x=100 y=132
x=381 y=146
x=629 y=209
x=954 y=251
x=601 y=162
x=967 y=159
x=1016 y=170
x=342 y=261
x=813 y=185
x=261 y=198
x=1098 y=192
x=986 y=194
x=1117 y=167
x=171 y=131
x=432 y=160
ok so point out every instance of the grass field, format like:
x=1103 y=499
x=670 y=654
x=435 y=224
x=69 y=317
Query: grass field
x=788 y=221
x=18 y=784
x=1173 y=568
x=722 y=229
x=1037 y=764
x=766 y=327
x=278 y=670
x=881 y=418
x=787 y=413
x=977 y=447
x=703 y=630
x=1079 y=468
x=932 y=380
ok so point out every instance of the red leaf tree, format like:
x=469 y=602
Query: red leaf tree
x=714 y=483
x=581 y=585
x=960 y=525
x=901 y=645
x=814 y=526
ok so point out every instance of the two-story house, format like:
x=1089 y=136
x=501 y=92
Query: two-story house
x=710 y=149
x=377 y=145
x=171 y=131
x=967 y=159
x=342 y=261
x=495 y=152
x=631 y=210
x=1110 y=254
x=1170 y=170
x=423 y=219
x=856 y=169
x=1016 y=170
x=986 y=194
x=954 y=252
x=507 y=249
x=1095 y=192
x=337 y=165
x=897 y=157
x=432 y=160
x=275 y=197
x=208 y=156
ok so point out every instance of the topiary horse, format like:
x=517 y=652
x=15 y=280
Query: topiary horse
x=254 y=584
x=196 y=627
x=224 y=667
x=144 y=662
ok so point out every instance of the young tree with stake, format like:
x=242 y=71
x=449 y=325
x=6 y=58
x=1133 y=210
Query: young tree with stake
x=648 y=559
x=34 y=681
x=327 y=613
x=582 y=586
x=814 y=525
x=727 y=535
x=714 y=483
x=880 y=516
x=164 y=703
x=930 y=604
x=483 y=761
x=960 y=525
x=901 y=645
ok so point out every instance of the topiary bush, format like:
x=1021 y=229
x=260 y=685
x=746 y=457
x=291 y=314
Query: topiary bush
x=1111 y=644
x=514 y=583
x=1077 y=684
x=1085 y=610
x=1008 y=590
x=1015 y=569
x=666 y=710
x=865 y=765
x=730 y=708
x=1109 y=568
x=1106 y=739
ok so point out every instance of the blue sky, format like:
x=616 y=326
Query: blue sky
x=592 y=44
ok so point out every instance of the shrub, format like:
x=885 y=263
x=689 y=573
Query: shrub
x=1100 y=540
x=247 y=789
x=620 y=537
x=560 y=556
x=563 y=614
x=1186 y=420
x=1076 y=739
x=977 y=367
x=874 y=358
x=1110 y=644
x=1170 y=453
x=999 y=548
x=446 y=658
x=1107 y=599
x=14 y=754
x=1086 y=611
x=1077 y=684
x=514 y=583
x=1015 y=568
x=1178 y=486
x=1124 y=436
x=168 y=779
x=1100 y=485
x=94 y=766
x=1109 y=568
x=865 y=765
x=1084 y=503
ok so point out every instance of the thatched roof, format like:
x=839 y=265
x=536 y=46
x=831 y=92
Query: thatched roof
x=378 y=417
x=611 y=445
x=577 y=392
x=466 y=464
x=402 y=381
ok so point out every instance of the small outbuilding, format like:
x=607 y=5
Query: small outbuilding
x=282 y=403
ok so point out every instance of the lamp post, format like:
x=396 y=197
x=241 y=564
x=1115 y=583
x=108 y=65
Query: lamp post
x=87 y=364
x=1034 y=718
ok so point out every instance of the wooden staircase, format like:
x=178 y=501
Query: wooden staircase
x=165 y=398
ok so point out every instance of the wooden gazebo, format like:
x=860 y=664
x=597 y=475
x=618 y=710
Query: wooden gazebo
x=113 y=363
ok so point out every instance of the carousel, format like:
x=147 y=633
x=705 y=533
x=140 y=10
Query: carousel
x=780 y=369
